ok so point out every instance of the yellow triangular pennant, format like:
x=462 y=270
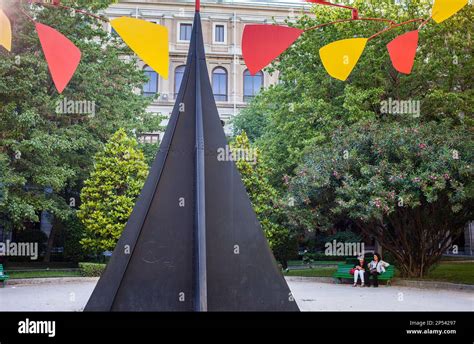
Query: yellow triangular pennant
x=340 y=57
x=5 y=31
x=444 y=9
x=148 y=40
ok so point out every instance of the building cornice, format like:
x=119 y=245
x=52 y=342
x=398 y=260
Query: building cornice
x=186 y=9
x=270 y=5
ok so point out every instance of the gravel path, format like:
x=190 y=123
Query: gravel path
x=316 y=296
x=72 y=295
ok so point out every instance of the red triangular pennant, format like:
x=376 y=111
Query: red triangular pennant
x=61 y=55
x=402 y=51
x=263 y=43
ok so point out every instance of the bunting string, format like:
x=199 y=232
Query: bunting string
x=261 y=43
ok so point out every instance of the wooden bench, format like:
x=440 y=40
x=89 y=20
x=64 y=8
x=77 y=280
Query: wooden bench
x=3 y=276
x=343 y=273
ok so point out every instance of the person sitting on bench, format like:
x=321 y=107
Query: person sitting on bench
x=360 y=270
x=376 y=267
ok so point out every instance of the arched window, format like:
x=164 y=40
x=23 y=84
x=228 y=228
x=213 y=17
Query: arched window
x=150 y=88
x=178 y=78
x=252 y=84
x=219 y=84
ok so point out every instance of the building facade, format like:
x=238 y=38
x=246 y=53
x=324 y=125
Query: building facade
x=223 y=24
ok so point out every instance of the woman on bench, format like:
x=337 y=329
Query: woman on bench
x=360 y=270
x=376 y=267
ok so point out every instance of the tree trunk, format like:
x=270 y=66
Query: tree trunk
x=378 y=247
x=416 y=237
x=50 y=243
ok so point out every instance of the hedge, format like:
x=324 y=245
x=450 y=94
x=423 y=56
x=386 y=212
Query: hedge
x=91 y=269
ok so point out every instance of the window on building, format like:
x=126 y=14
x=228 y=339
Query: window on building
x=252 y=84
x=150 y=88
x=149 y=138
x=219 y=84
x=219 y=33
x=178 y=78
x=185 y=31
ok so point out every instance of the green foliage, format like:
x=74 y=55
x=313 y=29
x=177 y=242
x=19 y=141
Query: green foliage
x=346 y=236
x=109 y=195
x=91 y=269
x=73 y=233
x=264 y=200
x=304 y=124
x=307 y=106
x=314 y=272
x=311 y=257
x=43 y=274
x=460 y=272
x=316 y=242
x=409 y=186
x=149 y=151
x=373 y=169
x=41 y=148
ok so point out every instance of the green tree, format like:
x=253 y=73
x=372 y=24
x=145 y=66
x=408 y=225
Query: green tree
x=296 y=125
x=41 y=148
x=264 y=199
x=307 y=105
x=410 y=187
x=109 y=195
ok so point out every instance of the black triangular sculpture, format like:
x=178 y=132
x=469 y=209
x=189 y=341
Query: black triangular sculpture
x=193 y=241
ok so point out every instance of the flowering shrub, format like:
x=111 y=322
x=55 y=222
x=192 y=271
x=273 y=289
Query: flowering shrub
x=410 y=186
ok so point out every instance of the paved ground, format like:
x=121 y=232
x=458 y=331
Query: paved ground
x=313 y=296
x=58 y=296
x=310 y=296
